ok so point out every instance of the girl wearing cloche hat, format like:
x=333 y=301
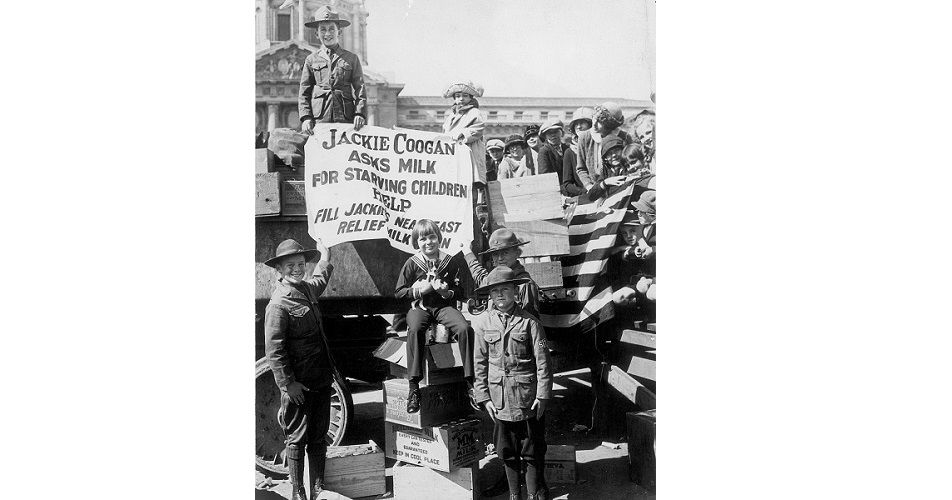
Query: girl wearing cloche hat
x=464 y=124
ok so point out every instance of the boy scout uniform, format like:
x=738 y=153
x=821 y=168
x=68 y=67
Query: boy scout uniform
x=332 y=87
x=297 y=350
x=512 y=370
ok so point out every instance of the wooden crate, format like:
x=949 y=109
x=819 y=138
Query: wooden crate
x=264 y=161
x=641 y=448
x=445 y=448
x=413 y=481
x=545 y=274
x=292 y=198
x=532 y=208
x=356 y=470
x=438 y=403
x=560 y=464
x=444 y=364
x=636 y=353
x=267 y=193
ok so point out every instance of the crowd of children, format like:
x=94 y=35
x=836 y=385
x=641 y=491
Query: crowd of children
x=505 y=352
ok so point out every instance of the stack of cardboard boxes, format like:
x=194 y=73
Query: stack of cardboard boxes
x=440 y=446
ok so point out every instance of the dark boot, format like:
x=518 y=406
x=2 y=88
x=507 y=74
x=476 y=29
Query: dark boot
x=296 y=474
x=315 y=469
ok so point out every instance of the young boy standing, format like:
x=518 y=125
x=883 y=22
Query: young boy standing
x=299 y=357
x=513 y=382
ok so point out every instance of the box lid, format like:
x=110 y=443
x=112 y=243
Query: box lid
x=438 y=356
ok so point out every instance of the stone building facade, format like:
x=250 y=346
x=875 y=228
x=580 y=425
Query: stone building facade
x=283 y=43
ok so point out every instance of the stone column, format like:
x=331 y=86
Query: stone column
x=300 y=20
x=272 y=116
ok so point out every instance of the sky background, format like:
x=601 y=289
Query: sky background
x=531 y=48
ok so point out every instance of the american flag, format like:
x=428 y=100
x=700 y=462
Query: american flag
x=593 y=230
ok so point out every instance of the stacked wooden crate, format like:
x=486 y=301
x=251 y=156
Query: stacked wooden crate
x=439 y=446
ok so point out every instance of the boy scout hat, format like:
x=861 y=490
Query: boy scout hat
x=325 y=13
x=499 y=276
x=495 y=144
x=550 y=124
x=502 y=239
x=647 y=202
x=581 y=114
x=516 y=139
x=288 y=248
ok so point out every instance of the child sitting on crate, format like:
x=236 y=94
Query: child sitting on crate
x=504 y=251
x=513 y=381
x=430 y=278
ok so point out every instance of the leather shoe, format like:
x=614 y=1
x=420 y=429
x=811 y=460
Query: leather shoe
x=413 y=402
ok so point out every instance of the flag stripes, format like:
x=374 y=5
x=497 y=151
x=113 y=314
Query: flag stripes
x=593 y=229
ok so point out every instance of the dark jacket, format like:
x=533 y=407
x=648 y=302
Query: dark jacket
x=550 y=160
x=511 y=362
x=589 y=167
x=295 y=344
x=571 y=184
x=332 y=82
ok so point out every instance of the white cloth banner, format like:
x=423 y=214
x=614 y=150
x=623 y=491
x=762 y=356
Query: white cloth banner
x=376 y=183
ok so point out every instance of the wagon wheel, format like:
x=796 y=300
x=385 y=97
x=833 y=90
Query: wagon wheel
x=269 y=438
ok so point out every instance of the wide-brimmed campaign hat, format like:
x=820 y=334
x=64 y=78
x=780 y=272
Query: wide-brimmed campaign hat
x=495 y=144
x=581 y=114
x=516 y=139
x=502 y=239
x=550 y=124
x=468 y=87
x=288 y=248
x=500 y=275
x=325 y=13
x=647 y=202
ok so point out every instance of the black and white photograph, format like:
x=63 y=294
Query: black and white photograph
x=455 y=245
x=454 y=235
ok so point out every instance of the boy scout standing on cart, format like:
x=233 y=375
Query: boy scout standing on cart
x=299 y=357
x=513 y=382
x=332 y=82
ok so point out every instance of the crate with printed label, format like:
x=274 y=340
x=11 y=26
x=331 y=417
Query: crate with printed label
x=560 y=464
x=446 y=447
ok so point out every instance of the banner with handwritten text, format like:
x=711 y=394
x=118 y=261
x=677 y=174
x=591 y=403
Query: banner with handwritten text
x=376 y=183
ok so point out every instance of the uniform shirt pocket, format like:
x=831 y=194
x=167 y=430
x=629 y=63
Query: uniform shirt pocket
x=520 y=345
x=492 y=339
x=524 y=390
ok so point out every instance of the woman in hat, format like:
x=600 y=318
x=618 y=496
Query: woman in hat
x=644 y=128
x=332 y=80
x=606 y=122
x=504 y=250
x=550 y=155
x=300 y=360
x=513 y=382
x=531 y=136
x=571 y=184
x=464 y=124
x=614 y=168
x=516 y=161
